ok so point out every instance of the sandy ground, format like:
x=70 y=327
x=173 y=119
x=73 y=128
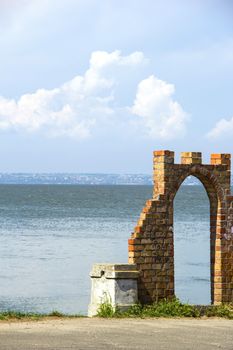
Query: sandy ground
x=101 y=334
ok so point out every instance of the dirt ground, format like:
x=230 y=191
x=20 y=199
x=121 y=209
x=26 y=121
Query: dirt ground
x=86 y=333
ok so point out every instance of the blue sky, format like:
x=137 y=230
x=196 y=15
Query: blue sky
x=96 y=86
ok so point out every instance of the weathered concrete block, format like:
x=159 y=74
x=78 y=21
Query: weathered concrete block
x=115 y=284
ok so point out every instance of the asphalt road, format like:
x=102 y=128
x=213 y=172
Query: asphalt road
x=209 y=334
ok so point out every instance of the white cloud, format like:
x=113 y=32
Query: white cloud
x=161 y=115
x=98 y=99
x=223 y=128
x=73 y=108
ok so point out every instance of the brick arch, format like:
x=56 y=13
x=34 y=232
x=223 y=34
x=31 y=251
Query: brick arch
x=209 y=181
x=151 y=245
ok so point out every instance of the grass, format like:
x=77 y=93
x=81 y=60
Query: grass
x=17 y=315
x=165 y=308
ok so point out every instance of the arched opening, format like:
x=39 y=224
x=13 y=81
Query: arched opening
x=192 y=243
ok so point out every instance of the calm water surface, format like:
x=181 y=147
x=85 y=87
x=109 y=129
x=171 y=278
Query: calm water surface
x=51 y=235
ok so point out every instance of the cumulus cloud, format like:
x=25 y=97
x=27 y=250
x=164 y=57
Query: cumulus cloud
x=223 y=128
x=73 y=108
x=160 y=114
x=91 y=101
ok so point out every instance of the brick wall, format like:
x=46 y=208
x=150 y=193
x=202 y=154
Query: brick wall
x=151 y=245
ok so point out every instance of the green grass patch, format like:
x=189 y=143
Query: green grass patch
x=17 y=315
x=167 y=308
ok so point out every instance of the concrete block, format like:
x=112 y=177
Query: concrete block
x=115 y=284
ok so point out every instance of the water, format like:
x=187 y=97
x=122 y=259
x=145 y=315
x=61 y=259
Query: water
x=51 y=235
x=192 y=245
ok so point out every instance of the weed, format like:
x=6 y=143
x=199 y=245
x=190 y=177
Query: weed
x=106 y=310
x=167 y=308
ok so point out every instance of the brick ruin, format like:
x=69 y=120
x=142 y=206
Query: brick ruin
x=151 y=246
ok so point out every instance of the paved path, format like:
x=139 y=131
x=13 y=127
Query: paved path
x=101 y=334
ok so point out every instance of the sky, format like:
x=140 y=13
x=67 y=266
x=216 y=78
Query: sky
x=96 y=85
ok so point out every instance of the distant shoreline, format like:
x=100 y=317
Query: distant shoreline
x=81 y=179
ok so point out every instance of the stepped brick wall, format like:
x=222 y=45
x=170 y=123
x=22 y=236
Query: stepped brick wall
x=151 y=246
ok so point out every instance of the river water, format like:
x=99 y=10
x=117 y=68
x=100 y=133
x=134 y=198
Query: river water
x=50 y=235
